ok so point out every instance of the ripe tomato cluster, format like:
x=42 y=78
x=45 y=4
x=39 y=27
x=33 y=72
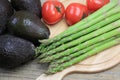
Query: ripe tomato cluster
x=53 y=10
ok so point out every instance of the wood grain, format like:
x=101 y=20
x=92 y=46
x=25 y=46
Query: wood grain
x=97 y=63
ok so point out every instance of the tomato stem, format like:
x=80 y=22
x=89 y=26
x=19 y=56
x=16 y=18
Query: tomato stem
x=84 y=15
x=58 y=9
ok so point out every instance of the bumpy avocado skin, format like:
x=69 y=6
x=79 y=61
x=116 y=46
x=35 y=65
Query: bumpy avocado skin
x=6 y=11
x=15 y=51
x=28 y=26
x=33 y=6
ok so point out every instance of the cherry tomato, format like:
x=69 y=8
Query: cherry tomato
x=94 y=5
x=75 y=12
x=52 y=11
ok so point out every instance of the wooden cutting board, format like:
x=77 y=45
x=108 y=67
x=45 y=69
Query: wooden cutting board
x=100 y=62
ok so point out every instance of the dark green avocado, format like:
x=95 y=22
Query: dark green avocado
x=6 y=11
x=33 y=6
x=15 y=51
x=28 y=26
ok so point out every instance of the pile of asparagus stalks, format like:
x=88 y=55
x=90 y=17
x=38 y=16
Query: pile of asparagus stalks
x=97 y=32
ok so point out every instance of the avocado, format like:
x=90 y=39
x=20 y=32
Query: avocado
x=6 y=11
x=28 y=26
x=33 y=6
x=15 y=51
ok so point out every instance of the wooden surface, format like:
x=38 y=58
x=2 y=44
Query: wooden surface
x=32 y=70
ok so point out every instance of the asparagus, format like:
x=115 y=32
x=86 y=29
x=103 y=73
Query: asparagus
x=82 y=46
x=76 y=54
x=84 y=56
x=37 y=51
x=96 y=14
x=81 y=39
x=102 y=23
x=73 y=29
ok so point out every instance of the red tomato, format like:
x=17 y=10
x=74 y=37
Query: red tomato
x=52 y=11
x=75 y=12
x=94 y=5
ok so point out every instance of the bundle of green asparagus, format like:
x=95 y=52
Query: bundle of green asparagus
x=97 y=32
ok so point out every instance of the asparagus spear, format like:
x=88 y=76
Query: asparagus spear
x=80 y=40
x=73 y=29
x=102 y=23
x=82 y=46
x=84 y=56
x=76 y=54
